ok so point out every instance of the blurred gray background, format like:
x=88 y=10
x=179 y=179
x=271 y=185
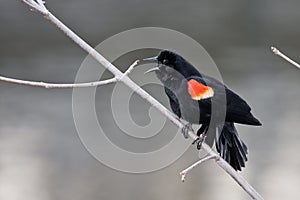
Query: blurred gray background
x=41 y=156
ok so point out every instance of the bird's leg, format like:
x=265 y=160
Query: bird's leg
x=199 y=141
x=185 y=130
x=201 y=136
x=203 y=129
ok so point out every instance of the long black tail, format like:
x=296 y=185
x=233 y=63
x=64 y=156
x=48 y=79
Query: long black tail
x=231 y=147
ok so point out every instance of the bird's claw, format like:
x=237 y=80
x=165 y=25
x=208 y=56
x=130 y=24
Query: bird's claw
x=199 y=141
x=185 y=130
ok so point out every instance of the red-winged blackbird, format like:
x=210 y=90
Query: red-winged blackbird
x=201 y=99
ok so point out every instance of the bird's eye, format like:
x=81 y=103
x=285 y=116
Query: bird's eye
x=165 y=61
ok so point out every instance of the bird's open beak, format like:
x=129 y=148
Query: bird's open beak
x=152 y=70
x=152 y=59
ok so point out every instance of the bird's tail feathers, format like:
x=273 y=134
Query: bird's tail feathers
x=231 y=147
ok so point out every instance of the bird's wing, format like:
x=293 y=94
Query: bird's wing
x=173 y=102
x=222 y=95
x=198 y=91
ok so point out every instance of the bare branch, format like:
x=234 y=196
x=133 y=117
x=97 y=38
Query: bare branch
x=127 y=81
x=183 y=173
x=278 y=53
x=37 y=5
x=131 y=67
x=55 y=85
x=68 y=85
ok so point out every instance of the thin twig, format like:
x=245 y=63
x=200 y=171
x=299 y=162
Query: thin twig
x=278 y=53
x=184 y=172
x=67 y=85
x=57 y=85
x=127 y=81
x=131 y=67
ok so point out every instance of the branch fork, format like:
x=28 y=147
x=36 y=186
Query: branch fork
x=184 y=172
x=70 y=85
x=37 y=5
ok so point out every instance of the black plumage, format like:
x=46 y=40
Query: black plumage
x=216 y=108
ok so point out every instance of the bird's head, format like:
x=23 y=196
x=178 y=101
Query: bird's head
x=168 y=58
x=165 y=69
x=174 y=61
x=165 y=57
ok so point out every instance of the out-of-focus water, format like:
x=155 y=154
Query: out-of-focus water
x=41 y=156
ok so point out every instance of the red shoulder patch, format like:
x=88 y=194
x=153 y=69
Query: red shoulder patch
x=198 y=90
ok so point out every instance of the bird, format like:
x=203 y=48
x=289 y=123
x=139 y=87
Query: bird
x=201 y=99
